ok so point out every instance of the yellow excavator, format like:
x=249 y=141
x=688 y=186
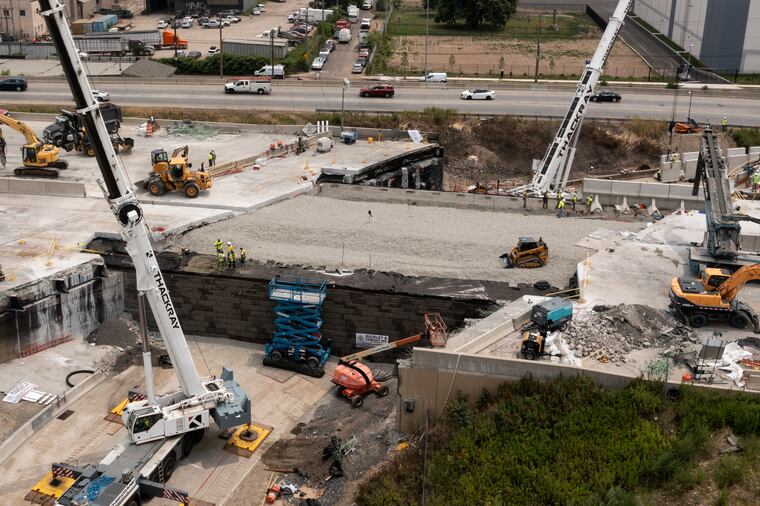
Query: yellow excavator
x=174 y=174
x=40 y=159
x=529 y=253
x=713 y=297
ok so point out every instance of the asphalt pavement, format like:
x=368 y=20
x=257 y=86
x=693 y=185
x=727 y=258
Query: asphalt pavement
x=655 y=104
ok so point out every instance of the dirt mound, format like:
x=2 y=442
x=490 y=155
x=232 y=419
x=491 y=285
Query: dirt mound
x=506 y=148
x=116 y=332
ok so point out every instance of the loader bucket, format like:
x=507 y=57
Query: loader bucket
x=506 y=260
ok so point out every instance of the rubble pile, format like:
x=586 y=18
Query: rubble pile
x=618 y=330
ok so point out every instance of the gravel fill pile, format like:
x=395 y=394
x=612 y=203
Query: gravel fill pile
x=116 y=332
x=624 y=328
x=411 y=240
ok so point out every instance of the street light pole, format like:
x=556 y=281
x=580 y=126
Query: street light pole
x=346 y=85
x=221 y=52
x=538 y=50
x=271 y=42
x=427 y=32
x=689 y=114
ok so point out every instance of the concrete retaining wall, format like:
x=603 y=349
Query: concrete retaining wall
x=42 y=187
x=239 y=308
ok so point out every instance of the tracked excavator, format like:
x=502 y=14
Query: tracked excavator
x=714 y=297
x=40 y=159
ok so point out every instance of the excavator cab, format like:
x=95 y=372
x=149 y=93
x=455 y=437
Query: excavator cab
x=174 y=174
x=529 y=253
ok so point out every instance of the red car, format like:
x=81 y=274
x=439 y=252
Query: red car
x=377 y=90
x=364 y=53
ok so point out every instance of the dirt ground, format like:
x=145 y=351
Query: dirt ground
x=411 y=240
x=373 y=425
x=481 y=55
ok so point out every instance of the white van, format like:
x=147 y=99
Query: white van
x=266 y=70
x=344 y=36
x=435 y=77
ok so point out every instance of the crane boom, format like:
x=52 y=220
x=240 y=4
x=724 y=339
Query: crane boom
x=381 y=347
x=555 y=167
x=197 y=398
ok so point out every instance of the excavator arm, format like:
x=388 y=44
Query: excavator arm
x=28 y=133
x=731 y=287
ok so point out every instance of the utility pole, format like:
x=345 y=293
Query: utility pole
x=538 y=49
x=673 y=117
x=689 y=113
x=174 y=26
x=221 y=52
x=427 y=30
x=346 y=85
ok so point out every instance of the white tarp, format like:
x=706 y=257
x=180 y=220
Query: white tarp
x=18 y=392
x=415 y=135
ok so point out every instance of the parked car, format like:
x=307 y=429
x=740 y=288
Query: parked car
x=261 y=7
x=324 y=53
x=357 y=68
x=162 y=24
x=224 y=22
x=232 y=19
x=377 y=90
x=194 y=54
x=365 y=24
x=13 y=84
x=364 y=52
x=606 y=96
x=186 y=24
x=361 y=61
x=227 y=12
x=256 y=12
x=331 y=44
x=213 y=50
x=101 y=96
x=478 y=94
x=211 y=23
x=318 y=63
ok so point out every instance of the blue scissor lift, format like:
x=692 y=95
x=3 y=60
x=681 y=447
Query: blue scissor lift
x=298 y=344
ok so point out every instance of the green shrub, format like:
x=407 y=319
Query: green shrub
x=671 y=85
x=746 y=137
x=729 y=471
x=234 y=65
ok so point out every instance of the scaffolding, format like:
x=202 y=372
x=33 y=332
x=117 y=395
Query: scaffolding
x=297 y=343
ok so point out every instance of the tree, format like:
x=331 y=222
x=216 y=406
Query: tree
x=404 y=61
x=475 y=12
x=452 y=62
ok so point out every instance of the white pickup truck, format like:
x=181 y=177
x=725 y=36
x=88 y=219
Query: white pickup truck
x=248 y=86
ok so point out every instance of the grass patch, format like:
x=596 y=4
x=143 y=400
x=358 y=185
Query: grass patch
x=521 y=27
x=568 y=441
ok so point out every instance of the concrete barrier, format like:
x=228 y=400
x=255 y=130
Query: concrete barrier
x=43 y=187
x=19 y=437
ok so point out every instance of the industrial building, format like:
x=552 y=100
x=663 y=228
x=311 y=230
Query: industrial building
x=723 y=35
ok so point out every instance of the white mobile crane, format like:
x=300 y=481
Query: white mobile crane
x=551 y=175
x=161 y=428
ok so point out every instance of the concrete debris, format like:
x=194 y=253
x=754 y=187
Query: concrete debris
x=624 y=328
x=116 y=332
x=192 y=130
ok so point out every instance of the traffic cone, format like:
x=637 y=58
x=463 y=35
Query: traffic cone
x=148 y=129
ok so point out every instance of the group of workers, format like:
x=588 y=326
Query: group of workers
x=229 y=259
x=560 y=206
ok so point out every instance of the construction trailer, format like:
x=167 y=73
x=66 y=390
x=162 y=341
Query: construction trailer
x=161 y=428
x=256 y=47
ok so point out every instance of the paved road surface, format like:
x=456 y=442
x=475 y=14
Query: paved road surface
x=652 y=104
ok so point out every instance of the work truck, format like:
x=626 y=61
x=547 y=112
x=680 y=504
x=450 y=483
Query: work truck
x=248 y=86
x=160 y=428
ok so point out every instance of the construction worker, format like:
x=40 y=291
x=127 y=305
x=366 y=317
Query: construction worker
x=561 y=208
x=211 y=157
x=230 y=248
x=589 y=201
x=574 y=199
x=219 y=245
x=220 y=261
x=242 y=257
x=231 y=259
x=560 y=198
x=546 y=200
x=755 y=180
x=525 y=199
x=724 y=124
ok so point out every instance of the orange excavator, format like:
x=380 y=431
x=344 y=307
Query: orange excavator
x=355 y=380
x=714 y=297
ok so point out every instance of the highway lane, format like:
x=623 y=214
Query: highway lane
x=656 y=104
